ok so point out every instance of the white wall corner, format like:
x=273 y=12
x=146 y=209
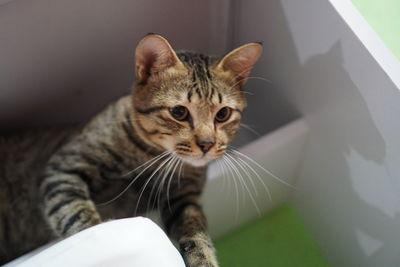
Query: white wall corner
x=369 y=38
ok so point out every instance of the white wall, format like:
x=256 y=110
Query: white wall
x=60 y=61
x=349 y=182
x=265 y=99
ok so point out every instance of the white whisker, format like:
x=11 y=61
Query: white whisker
x=170 y=180
x=247 y=127
x=153 y=188
x=218 y=161
x=149 y=161
x=149 y=179
x=261 y=167
x=244 y=184
x=258 y=177
x=236 y=188
x=247 y=92
x=248 y=78
x=161 y=186
x=259 y=78
x=245 y=171
x=153 y=161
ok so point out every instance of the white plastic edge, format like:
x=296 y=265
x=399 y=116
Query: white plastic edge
x=369 y=38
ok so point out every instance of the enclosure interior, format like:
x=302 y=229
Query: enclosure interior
x=62 y=61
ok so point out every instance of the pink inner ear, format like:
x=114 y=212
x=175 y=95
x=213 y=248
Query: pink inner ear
x=238 y=65
x=144 y=61
x=241 y=60
x=153 y=54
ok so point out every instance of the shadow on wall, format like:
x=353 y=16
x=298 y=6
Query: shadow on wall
x=347 y=194
x=349 y=198
x=347 y=183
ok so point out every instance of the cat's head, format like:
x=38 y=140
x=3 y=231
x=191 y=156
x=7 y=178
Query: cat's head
x=190 y=103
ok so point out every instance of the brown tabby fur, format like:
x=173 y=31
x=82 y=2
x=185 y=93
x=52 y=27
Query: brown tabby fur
x=52 y=181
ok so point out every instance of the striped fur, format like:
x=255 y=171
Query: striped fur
x=53 y=181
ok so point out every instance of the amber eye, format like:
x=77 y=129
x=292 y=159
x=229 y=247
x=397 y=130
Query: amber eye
x=179 y=113
x=223 y=114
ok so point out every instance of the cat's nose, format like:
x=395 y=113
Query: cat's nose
x=205 y=145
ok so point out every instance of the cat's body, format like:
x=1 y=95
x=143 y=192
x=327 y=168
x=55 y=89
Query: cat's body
x=25 y=156
x=154 y=145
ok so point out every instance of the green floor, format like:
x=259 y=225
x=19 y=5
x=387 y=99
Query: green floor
x=276 y=240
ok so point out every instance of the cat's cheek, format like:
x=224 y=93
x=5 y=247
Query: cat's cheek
x=161 y=142
x=167 y=142
x=229 y=134
x=223 y=140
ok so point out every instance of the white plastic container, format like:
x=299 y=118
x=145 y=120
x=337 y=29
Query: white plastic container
x=323 y=62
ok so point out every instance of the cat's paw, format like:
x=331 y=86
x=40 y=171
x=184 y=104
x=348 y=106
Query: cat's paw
x=198 y=251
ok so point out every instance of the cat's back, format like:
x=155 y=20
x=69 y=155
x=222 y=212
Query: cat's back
x=26 y=151
x=23 y=155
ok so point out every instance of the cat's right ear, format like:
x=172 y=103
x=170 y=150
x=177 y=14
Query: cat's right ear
x=153 y=55
x=238 y=63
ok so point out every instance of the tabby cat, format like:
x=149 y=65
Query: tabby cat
x=183 y=112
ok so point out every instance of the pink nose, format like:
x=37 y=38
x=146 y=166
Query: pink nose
x=205 y=146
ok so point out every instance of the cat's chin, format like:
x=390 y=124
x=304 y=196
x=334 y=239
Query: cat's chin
x=197 y=162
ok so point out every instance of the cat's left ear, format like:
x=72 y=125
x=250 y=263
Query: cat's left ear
x=239 y=62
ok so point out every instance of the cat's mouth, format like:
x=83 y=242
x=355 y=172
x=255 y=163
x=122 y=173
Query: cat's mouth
x=196 y=160
x=198 y=157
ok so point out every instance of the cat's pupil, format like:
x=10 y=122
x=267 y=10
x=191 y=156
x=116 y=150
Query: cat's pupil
x=179 y=112
x=223 y=114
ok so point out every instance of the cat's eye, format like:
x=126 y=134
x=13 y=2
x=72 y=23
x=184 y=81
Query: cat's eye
x=179 y=113
x=223 y=114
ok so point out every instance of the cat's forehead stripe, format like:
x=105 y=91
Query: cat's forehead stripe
x=189 y=96
x=220 y=97
x=202 y=83
x=203 y=86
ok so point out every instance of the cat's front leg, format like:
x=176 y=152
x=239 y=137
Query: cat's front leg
x=66 y=205
x=187 y=224
x=195 y=244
